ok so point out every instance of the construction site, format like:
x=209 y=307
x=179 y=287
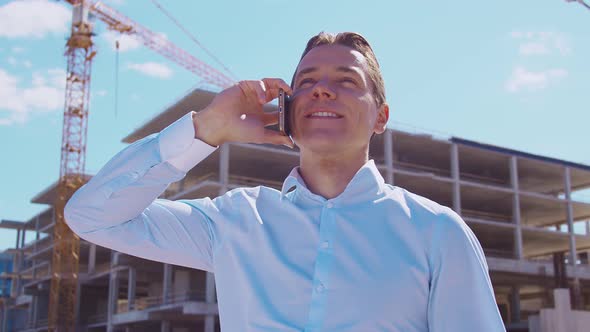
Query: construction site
x=529 y=212
x=519 y=205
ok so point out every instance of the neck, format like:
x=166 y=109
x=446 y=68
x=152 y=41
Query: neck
x=328 y=175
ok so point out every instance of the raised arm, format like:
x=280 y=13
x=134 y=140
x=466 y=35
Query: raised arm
x=119 y=209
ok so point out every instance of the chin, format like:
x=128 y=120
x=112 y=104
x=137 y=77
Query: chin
x=321 y=142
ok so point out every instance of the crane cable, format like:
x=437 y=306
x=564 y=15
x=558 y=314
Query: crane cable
x=116 y=77
x=193 y=38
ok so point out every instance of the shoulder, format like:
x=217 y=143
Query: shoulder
x=439 y=223
x=247 y=194
x=420 y=207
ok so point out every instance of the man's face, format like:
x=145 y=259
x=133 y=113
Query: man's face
x=333 y=107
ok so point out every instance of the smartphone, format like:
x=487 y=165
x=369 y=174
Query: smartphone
x=284 y=120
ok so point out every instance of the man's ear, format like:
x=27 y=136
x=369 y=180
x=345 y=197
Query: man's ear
x=382 y=117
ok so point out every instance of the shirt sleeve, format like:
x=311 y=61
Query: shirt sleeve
x=119 y=207
x=461 y=295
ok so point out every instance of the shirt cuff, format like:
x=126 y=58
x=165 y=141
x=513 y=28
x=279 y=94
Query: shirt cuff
x=179 y=147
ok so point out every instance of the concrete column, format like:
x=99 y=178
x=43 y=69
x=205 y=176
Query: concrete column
x=515 y=304
x=37 y=237
x=17 y=238
x=131 y=288
x=165 y=326
x=35 y=309
x=456 y=178
x=113 y=296
x=113 y=291
x=388 y=154
x=4 y=318
x=167 y=283
x=587 y=223
x=516 y=208
x=77 y=305
x=91 y=258
x=210 y=298
x=16 y=264
x=577 y=292
x=21 y=258
x=31 y=311
x=37 y=233
x=224 y=167
x=570 y=216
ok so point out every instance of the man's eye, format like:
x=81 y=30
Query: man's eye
x=305 y=81
x=347 y=80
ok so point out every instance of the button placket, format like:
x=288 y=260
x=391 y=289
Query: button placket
x=321 y=276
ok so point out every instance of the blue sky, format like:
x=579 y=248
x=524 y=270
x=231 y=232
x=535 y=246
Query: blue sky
x=508 y=73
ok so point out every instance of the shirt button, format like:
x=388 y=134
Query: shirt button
x=330 y=205
x=320 y=288
x=325 y=245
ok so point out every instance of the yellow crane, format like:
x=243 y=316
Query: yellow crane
x=80 y=53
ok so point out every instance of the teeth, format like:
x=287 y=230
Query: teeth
x=324 y=114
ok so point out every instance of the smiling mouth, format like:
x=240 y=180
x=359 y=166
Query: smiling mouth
x=323 y=115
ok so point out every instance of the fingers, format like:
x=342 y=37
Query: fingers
x=272 y=88
x=264 y=90
x=253 y=90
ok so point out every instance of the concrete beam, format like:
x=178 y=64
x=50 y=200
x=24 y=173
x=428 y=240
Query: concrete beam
x=200 y=308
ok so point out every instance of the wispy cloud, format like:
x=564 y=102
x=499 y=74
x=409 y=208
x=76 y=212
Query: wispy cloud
x=541 y=43
x=33 y=18
x=522 y=79
x=44 y=93
x=14 y=61
x=153 y=69
x=17 y=49
x=126 y=42
x=101 y=93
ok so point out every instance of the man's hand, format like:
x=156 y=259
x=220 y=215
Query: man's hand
x=236 y=114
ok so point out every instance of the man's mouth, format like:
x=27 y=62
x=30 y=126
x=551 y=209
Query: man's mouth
x=323 y=114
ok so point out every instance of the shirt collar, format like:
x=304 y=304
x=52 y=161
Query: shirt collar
x=365 y=185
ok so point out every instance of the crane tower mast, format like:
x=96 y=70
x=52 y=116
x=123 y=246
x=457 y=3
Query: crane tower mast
x=79 y=53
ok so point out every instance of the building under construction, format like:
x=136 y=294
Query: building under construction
x=525 y=209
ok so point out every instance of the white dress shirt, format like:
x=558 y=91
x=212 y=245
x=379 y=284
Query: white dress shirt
x=375 y=258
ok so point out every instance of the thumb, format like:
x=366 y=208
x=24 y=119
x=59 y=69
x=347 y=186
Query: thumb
x=275 y=137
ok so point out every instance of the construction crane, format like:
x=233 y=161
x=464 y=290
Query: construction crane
x=80 y=53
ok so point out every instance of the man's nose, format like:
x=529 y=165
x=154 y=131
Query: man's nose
x=322 y=89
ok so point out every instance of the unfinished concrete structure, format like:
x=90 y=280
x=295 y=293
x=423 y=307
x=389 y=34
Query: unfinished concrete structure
x=522 y=208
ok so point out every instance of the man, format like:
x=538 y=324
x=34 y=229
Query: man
x=336 y=250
